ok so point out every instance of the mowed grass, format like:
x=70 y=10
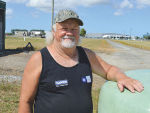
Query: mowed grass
x=38 y=43
x=134 y=43
x=97 y=45
x=9 y=97
x=19 y=43
x=9 y=93
x=95 y=97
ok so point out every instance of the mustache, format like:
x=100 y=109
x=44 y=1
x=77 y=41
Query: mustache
x=72 y=37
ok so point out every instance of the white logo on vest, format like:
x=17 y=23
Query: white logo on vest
x=61 y=83
x=86 y=79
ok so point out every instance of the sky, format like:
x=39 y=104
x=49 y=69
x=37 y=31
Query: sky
x=99 y=16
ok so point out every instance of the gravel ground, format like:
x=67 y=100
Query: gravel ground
x=127 y=58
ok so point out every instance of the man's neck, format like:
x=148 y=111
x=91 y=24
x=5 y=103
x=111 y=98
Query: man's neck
x=64 y=52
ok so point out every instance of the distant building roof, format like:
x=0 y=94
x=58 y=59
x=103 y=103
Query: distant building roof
x=100 y=35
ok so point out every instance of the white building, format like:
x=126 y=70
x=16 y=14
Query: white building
x=36 y=33
x=106 y=35
x=21 y=33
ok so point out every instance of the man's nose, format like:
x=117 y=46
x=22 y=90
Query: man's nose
x=69 y=32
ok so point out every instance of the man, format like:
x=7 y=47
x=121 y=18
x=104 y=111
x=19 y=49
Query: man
x=58 y=78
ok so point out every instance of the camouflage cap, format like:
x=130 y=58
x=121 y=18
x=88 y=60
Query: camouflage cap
x=63 y=15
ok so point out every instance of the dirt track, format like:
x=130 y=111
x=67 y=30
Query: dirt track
x=127 y=58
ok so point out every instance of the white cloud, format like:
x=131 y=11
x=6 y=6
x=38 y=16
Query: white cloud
x=139 y=6
x=45 y=5
x=142 y=3
x=6 y=0
x=16 y=1
x=9 y=13
x=119 y=12
x=19 y=1
x=127 y=4
x=122 y=7
x=35 y=14
x=92 y=2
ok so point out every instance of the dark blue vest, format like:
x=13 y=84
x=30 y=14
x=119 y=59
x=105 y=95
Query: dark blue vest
x=64 y=89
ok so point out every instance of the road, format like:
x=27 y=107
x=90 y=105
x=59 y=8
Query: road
x=128 y=58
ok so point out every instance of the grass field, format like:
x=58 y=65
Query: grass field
x=138 y=44
x=38 y=43
x=9 y=97
x=19 y=43
x=98 y=45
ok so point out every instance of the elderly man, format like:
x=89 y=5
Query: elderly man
x=58 y=78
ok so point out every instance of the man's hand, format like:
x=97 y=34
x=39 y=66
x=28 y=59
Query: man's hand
x=129 y=83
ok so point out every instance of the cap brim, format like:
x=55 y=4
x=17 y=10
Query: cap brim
x=78 y=20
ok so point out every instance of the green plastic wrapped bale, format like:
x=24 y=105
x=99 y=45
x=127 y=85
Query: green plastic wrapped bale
x=111 y=100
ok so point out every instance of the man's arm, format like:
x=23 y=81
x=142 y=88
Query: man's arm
x=112 y=73
x=30 y=83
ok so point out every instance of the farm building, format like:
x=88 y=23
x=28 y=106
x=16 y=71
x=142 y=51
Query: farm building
x=106 y=35
x=20 y=32
x=36 y=32
x=2 y=25
x=24 y=32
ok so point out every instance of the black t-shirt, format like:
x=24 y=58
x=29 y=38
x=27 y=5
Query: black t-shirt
x=64 y=89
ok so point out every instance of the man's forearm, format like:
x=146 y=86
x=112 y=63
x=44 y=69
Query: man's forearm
x=114 y=73
x=25 y=107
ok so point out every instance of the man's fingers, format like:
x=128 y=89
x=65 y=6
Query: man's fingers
x=130 y=87
x=137 y=85
x=121 y=88
x=131 y=84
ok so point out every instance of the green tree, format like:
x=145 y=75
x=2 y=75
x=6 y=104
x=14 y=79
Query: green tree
x=147 y=36
x=82 y=32
x=122 y=37
x=137 y=37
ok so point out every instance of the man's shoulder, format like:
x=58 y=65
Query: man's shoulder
x=88 y=52
x=37 y=54
x=36 y=57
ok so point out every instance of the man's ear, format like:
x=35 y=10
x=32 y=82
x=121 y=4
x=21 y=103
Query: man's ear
x=53 y=32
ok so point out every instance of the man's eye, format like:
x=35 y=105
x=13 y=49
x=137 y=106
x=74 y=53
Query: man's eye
x=64 y=29
x=74 y=29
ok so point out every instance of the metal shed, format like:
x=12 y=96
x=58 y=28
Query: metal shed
x=2 y=25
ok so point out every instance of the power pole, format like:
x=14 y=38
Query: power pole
x=130 y=32
x=52 y=13
x=124 y=34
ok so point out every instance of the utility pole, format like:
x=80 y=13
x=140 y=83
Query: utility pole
x=52 y=13
x=124 y=34
x=130 y=32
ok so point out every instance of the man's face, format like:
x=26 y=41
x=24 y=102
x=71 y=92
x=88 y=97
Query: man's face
x=67 y=33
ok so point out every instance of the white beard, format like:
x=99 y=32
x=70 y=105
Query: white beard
x=68 y=43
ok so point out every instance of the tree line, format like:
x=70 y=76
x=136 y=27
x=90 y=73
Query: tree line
x=147 y=36
x=82 y=32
